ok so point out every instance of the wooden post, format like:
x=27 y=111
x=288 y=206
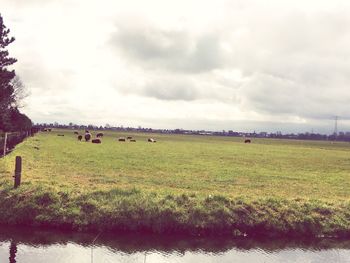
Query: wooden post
x=5 y=144
x=18 y=171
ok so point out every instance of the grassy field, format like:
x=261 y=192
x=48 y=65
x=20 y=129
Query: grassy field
x=182 y=183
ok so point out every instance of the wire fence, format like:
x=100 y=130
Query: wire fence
x=9 y=140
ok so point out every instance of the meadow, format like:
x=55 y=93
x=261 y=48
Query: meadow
x=181 y=183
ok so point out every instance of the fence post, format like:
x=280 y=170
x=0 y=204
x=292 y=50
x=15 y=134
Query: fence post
x=18 y=171
x=5 y=142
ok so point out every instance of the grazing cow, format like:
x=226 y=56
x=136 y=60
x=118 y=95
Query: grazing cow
x=247 y=141
x=49 y=130
x=80 y=137
x=100 y=134
x=121 y=139
x=87 y=137
x=96 y=140
x=60 y=134
x=129 y=137
x=76 y=132
x=132 y=140
x=151 y=140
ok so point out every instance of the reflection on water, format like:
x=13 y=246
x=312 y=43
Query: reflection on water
x=13 y=250
x=25 y=245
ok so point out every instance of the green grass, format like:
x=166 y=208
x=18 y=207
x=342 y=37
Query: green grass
x=182 y=183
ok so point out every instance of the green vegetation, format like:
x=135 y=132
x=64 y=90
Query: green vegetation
x=182 y=183
x=12 y=90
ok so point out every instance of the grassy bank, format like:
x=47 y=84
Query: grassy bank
x=189 y=184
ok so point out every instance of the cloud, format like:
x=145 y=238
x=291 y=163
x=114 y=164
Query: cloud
x=216 y=86
x=288 y=68
x=276 y=95
x=171 y=90
x=297 y=65
x=217 y=63
x=29 y=3
x=169 y=49
x=163 y=87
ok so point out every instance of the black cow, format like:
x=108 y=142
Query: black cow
x=96 y=140
x=87 y=137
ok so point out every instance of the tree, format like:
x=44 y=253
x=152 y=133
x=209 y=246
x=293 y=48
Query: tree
x=6 y=75
x=6 y=89
x=12 y=90
x=17 y=121
x=19 y=92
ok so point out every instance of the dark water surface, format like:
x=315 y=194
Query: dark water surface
x=28 y=245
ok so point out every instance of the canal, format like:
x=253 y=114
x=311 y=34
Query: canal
x=28 y=245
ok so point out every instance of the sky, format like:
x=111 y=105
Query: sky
x=238 y=65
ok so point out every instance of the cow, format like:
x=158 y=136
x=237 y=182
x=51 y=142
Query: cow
x=97 y=140
x=100 y=134
x=76 y=132
x=151 y=140
x=87 y=137
x=247 y=141
x=80 y=137
x=121 y=139
x=60 y=134
x=132 y=140
x=129 y=137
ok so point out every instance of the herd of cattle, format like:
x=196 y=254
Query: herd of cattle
x=88 y=137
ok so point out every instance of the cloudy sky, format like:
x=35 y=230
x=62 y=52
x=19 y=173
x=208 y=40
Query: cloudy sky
x=239 y=64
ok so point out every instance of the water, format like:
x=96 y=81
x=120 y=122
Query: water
x=25 y=245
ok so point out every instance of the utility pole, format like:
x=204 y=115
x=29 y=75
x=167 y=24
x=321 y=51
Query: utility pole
x=335 y=127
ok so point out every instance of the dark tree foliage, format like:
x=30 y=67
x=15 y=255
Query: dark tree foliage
x=19 y=121
x=10 y=118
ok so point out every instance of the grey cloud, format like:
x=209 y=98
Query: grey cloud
x=42 y=81
x=170 y=50
x=150 y=44
x=294 y=62
x=178 y=90
x=279 y=96
x=296 y=66
x=164 y=87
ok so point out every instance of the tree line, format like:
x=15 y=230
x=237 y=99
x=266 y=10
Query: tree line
x=12 y=90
